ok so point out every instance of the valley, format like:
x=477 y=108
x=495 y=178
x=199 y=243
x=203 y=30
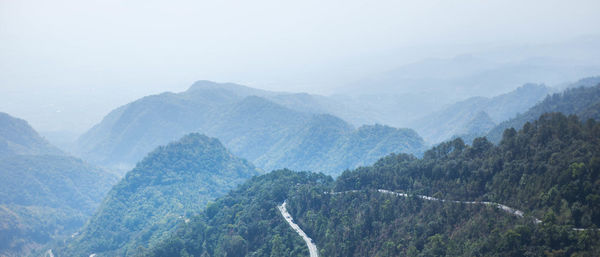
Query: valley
x=299 y=128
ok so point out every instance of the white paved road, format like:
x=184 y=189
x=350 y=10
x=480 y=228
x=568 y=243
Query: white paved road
x=503 y=207
x=312 y=248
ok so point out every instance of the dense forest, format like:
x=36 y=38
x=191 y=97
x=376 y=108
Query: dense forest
x=246 y=221
x=550 y=169
x=170 y=185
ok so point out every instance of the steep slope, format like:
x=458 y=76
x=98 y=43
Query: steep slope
x=550 y=170
x=45 y=195
x=17 y=137
x=246 y=221
x=457 y=119
x=252 y=127
x=170 y=184
x=581 y=101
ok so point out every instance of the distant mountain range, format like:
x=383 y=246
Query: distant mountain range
x=477 y=115
x=581 y=101
x=45 y=194
x=167 y=187
x=476 y=74
x=252 y=123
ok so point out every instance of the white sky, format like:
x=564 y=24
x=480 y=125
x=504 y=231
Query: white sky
x=65 y=63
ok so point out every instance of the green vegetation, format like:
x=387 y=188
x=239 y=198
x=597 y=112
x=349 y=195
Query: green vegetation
x=329 y=145
x=246 y=222
x=551 y=165
x=170 y=185
x=550 y=169
x=44 y=194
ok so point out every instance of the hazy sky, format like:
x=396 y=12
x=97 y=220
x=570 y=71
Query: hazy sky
x=66 y=63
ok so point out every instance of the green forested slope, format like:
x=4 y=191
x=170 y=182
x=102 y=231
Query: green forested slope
x=328 y=144
x=172 y=183
x=246 y=221
x=45 y=195
x=550 y=169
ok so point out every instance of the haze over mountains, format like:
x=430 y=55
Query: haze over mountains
x=351 y=216
x=45 y=195
x=17 y=137
x=439 y=66
x=175 y=182
x=249 y=123
x=581 y=101
x=271 y=128
x=265 y=127
x=477 y=115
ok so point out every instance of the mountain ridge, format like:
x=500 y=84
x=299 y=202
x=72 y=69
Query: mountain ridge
x=171 y=183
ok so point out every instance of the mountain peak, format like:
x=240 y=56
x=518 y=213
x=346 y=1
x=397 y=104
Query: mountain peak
x=193 y=153
x=172 y=182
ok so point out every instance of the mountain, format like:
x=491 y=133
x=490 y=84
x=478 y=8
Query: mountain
x=168 y=186
x=17 y=137
x=581 y=101
x=584 y=82
x=467 y=117
x=476 y=127
x=247 y=122
x=535 y=194
x=326 y=143
x=245 y=222
x=45 y=195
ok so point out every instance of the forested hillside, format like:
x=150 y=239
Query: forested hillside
x=549 y=169
x=45 y=195
x=329 y=145
x=245 y=222
x=251 y=126
x=581 y=101
x=167 y=187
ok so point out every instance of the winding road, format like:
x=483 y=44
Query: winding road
x=503 y=207
x=312 y=248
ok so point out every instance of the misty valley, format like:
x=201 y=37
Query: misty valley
x=273 y=179
x=299 y=129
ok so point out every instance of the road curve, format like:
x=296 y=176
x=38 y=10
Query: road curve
x=503 y=207
x=312 y=248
